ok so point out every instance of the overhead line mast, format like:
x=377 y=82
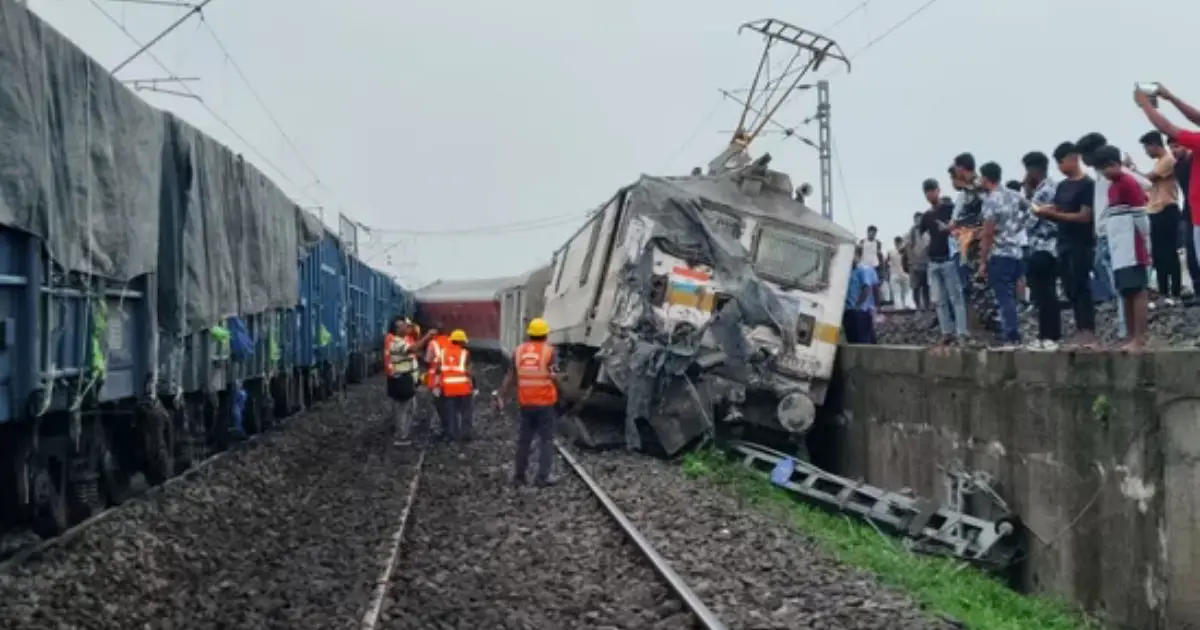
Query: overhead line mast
x=809 y=51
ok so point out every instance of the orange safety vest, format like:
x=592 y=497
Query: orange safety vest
x=535 y=384
x=397 y=358
x=454 y=379
x=433 y=354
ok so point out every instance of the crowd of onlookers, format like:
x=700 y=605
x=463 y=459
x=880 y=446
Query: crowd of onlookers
x=1089 y=230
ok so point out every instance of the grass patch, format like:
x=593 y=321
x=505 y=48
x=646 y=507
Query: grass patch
x=941 y=585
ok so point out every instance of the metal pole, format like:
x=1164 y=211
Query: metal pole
x=183 y=18
x=824 y=149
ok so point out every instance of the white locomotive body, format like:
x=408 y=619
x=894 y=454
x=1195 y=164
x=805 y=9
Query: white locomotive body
x=691 y=302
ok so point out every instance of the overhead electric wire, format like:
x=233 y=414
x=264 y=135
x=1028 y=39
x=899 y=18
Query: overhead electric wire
x=157 y=38
x=837 y=165
x=261 y=103
x=187 y=90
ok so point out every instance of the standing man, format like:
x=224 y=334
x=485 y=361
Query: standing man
x=944 y=278
x=872 y=256
x=858 y=319
x=1186 y=139
x=1071 y=211
x=1041 y=268
x=897 y=269
x=917 y=247
x=400 y=348
x=433 y=357
x=1163 y=208
x=968 y=221
x=534 y=369
x=1183 y=169
x=458 y=387
x=1102 y=266
x=1000 y=247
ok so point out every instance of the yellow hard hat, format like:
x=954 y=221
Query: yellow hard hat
x=537 y=327
x=459 y=336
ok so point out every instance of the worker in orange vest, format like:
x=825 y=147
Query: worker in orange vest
x=400 y=349
x=433 y=353
x=534 y=371
x=457 y=387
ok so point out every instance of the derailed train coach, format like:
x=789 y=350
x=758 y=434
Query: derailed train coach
x=692 y=304
x=492 y=311
x=159 y=296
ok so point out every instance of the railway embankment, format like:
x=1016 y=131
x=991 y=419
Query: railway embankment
x=1099 y=454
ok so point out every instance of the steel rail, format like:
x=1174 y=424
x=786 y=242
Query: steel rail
x=371 y=617
x=707 y=619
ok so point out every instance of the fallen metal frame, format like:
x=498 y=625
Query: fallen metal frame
x=931 y=527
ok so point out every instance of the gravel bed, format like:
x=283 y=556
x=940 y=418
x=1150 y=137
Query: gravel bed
x=481 y=554
x=1170 y=326
x=289 y=532
x=750 y=569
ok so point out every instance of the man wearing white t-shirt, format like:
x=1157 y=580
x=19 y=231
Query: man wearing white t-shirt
x=873 y=257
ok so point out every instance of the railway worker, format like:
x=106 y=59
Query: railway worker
x=534 y=370
x=457 y=386
x=400 y=348
x=433 y=353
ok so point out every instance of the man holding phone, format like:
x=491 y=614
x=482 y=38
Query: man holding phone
x=1186 y=139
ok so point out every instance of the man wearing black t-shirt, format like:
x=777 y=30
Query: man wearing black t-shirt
x=1072 y=211
x=1183 y=171
x=945 y=278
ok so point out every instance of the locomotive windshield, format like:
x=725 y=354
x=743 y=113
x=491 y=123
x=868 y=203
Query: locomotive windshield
x=792 y=260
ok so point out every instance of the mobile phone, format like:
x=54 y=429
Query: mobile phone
x=1149 y=89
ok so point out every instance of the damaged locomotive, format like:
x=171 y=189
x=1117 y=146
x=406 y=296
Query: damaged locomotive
x=697 y=304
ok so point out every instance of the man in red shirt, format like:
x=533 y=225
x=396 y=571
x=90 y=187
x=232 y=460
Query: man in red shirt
x=1126 y=203
x=1184 y=138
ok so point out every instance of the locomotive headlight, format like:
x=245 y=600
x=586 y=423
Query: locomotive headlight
x=804 y=329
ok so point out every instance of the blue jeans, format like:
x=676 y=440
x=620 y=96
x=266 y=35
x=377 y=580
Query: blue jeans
x=1105 y=290
x=945 y=279
x=535 y=422
x=1003 y=272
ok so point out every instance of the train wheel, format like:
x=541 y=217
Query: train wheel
x=158 y=435
x=186 y=451
x=114 y=479
x=48 y=485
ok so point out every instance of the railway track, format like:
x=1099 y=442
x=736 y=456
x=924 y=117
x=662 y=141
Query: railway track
x=12 y=560
x=582 y=553
x=15 y=558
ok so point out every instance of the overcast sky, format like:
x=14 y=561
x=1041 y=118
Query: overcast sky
x=459 y=115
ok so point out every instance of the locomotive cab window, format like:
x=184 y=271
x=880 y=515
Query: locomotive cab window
x=723 y=222
x=558 y=264
x=791 y=259
x=586 y=268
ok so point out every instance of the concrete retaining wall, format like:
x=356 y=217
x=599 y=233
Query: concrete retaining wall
x=1098 y=453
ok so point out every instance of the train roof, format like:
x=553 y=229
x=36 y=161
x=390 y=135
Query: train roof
x=770 y=202
x=474 y=290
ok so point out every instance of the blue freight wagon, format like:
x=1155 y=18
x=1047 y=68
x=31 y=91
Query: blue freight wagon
x=160 y=297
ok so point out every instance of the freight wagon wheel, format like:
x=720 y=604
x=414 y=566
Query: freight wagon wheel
x=266 y=409
x=186 y=448
x=114 y=480
x=251 y=420
x=48 y=483
x=159 y=435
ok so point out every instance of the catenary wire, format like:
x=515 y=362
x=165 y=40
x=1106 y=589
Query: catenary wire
x=220 y=119
x=261 y=103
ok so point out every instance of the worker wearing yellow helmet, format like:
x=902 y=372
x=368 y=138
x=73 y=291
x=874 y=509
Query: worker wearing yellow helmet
x=457 y=387
x=534 y=371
